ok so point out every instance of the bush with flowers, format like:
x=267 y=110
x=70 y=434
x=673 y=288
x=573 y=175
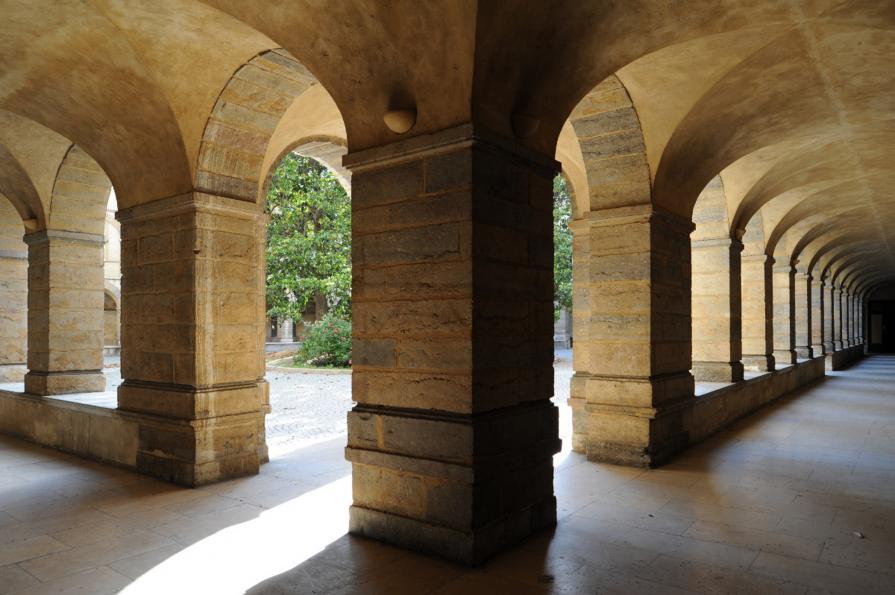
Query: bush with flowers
x=327 y=342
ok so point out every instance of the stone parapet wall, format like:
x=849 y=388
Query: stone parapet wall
x=839 y=360
x=97 y=433
x=717 y=409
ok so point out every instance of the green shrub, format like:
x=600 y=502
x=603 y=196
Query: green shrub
x=327 y=342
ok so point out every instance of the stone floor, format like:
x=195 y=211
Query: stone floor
x=797 y=498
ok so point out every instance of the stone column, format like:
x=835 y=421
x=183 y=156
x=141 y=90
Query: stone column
x=13 y=314
x=859 y=318
x=716 y=310
x=452 y=437
x=193 y=336
x=758 y=314
x=784 y=314
x=632 y=382
x=65 y=313
x=829 y=345
x=802 y=311
x=850 y=320
x=838 y=343
x=817 y=317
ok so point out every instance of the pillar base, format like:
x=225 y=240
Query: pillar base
x=197 y=436
x=818 y=350
x=718 y=371
x=837 y=345
x=829 y=347
x=785 y=357
x=62 y=383
x=632 y=421
x=804 y=352
x=463 y=487
x=759 y=363
x=13 y=372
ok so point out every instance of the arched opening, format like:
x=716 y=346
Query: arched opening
x=308 y=288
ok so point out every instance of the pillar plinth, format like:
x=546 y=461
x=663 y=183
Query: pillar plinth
x=193 y=336
x=632 y=384
x=65 y=313
x=13 y=314
x=784 y=314
x=716 y=310
x=452 y=437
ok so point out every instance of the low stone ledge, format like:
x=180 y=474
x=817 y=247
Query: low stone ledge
x=89 y=431
x=843 y=358
x=717 y=409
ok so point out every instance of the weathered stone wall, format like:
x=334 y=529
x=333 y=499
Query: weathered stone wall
x=453 y=434
x=193 y=337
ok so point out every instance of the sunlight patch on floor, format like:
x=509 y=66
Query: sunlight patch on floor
x=239 y=557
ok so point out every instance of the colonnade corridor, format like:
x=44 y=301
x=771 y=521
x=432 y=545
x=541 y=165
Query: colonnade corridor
x=798 y=497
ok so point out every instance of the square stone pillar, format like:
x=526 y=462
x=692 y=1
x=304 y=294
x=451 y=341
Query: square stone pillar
x=817 y=317
x=193 y=336
x=452 y=438
x=758 y=313
x=784 y=314
x=802 y=312
x=716 y=310
x=838 y=327
x=849 y=305
x=13 y=315
x=829 y=345
x=65 y=313
x=632 y=387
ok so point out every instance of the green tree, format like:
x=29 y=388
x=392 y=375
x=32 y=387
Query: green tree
x=562 y=246
x=308 y=239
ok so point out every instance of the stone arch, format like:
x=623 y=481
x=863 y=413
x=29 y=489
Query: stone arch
x=608 y=131
x=328 y=151
x=80 y=194
x=243 y=120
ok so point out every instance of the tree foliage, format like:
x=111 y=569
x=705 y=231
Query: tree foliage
x=562 y=246
x=308 y=239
